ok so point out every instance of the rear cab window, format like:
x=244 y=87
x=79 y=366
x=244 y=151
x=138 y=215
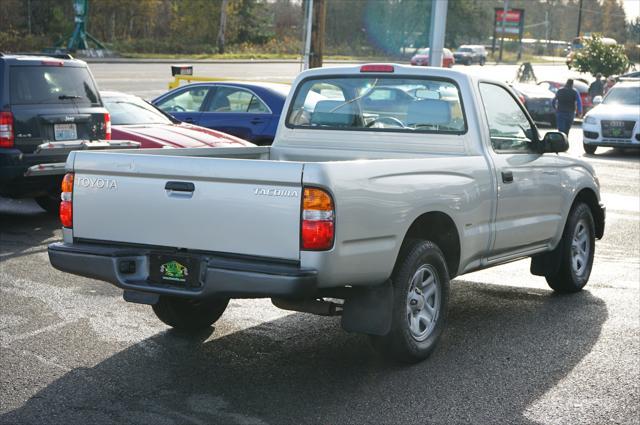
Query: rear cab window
x=378 y=103
x=41 y=84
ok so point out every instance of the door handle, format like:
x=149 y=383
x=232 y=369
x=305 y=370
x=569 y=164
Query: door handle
x=189 y=120
x=507 y=177
x=180 y=186
x=257 y=121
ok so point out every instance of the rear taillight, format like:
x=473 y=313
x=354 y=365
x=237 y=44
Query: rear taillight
x=318 y=215
x=66 y=204
x=107 y=126
x=6 y=130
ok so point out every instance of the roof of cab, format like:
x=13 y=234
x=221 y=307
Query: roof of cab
x=398 y=69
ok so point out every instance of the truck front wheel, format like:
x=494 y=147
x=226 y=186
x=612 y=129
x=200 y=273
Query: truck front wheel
x=576 y=249
x=191 y=315
x=421 y=294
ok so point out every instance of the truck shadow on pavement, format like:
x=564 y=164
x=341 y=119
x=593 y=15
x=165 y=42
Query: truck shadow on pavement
x=25 y=230
x=504 y=348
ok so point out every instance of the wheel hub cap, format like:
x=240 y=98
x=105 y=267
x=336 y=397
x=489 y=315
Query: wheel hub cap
x=580 y=248
x=423 y=302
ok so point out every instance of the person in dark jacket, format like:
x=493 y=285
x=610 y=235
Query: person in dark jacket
x=565 y=103
x=597 y=87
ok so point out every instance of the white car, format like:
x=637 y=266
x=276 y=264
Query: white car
x=615 y=121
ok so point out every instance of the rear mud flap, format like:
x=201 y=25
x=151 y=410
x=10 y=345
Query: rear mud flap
x=369 y=310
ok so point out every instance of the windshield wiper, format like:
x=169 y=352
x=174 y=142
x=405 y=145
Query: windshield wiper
x=67 y=97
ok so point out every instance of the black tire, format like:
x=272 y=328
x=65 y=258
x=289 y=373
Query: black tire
x=576 y=251
x=482 y=61
x=50 y=203
x=189 y=315
x=590 y=149
x=403 y=343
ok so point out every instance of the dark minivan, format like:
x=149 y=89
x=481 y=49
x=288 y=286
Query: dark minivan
x=49 y=106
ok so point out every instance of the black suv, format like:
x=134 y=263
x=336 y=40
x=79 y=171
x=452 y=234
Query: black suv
x=49 y=106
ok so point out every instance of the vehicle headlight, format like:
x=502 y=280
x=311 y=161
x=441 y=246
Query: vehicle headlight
x=590 y=120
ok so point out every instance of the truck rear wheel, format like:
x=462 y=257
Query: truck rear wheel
x=191 y=315
x=577 y=249
x=421 y=294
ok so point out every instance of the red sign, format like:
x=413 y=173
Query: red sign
x=512 y=25
x=513 y=16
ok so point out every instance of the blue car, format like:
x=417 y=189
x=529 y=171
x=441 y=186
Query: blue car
x=249 y=110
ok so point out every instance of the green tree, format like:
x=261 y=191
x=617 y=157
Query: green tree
x=597 y=57
x=614 y=20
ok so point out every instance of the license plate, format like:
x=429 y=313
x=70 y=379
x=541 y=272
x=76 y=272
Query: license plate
x=65 y=131
x=177 y=270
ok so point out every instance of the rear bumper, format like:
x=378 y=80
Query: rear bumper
x=220 y=276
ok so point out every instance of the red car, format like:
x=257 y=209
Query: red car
x=581 y=86
x=134 y=119
x=421 y=58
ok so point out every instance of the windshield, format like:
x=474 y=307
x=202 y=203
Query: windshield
x=52 y=84
x=465 y=49
x=422 y=51
x=132 y=110
x=373 y=103
x=623 y=96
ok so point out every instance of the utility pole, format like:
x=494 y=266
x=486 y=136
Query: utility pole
x=223 y=26
x=438 y=27
x=307 y=38
x=29 y=16
x=317 y=33
x=504 y=22
x=579 y=18
x=546 y=30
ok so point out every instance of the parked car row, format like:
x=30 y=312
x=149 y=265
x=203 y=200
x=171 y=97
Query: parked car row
x=465 y=55
x=51 y=106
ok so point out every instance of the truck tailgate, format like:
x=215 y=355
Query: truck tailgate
x=249 y=207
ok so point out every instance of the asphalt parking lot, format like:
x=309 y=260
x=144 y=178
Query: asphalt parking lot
x=73 y=352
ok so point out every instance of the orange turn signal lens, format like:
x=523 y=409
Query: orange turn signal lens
x=317 y=199
x=67 y=183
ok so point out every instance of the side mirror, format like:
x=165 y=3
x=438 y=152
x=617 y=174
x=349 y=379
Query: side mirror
x=597 y=100
x=555 y=141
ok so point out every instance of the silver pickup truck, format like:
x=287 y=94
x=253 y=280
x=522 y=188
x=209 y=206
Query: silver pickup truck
x=384 y=182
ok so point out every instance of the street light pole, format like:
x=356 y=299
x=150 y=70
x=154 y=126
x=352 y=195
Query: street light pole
x=307 y=41
x=438 y=27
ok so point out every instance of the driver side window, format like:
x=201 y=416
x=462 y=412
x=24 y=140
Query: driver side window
x=189 y=100
x=510 y=130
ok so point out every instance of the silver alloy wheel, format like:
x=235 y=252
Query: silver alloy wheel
x=423 y=302
x=580 y=248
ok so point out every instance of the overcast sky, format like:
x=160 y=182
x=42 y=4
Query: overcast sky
x=631 y=9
